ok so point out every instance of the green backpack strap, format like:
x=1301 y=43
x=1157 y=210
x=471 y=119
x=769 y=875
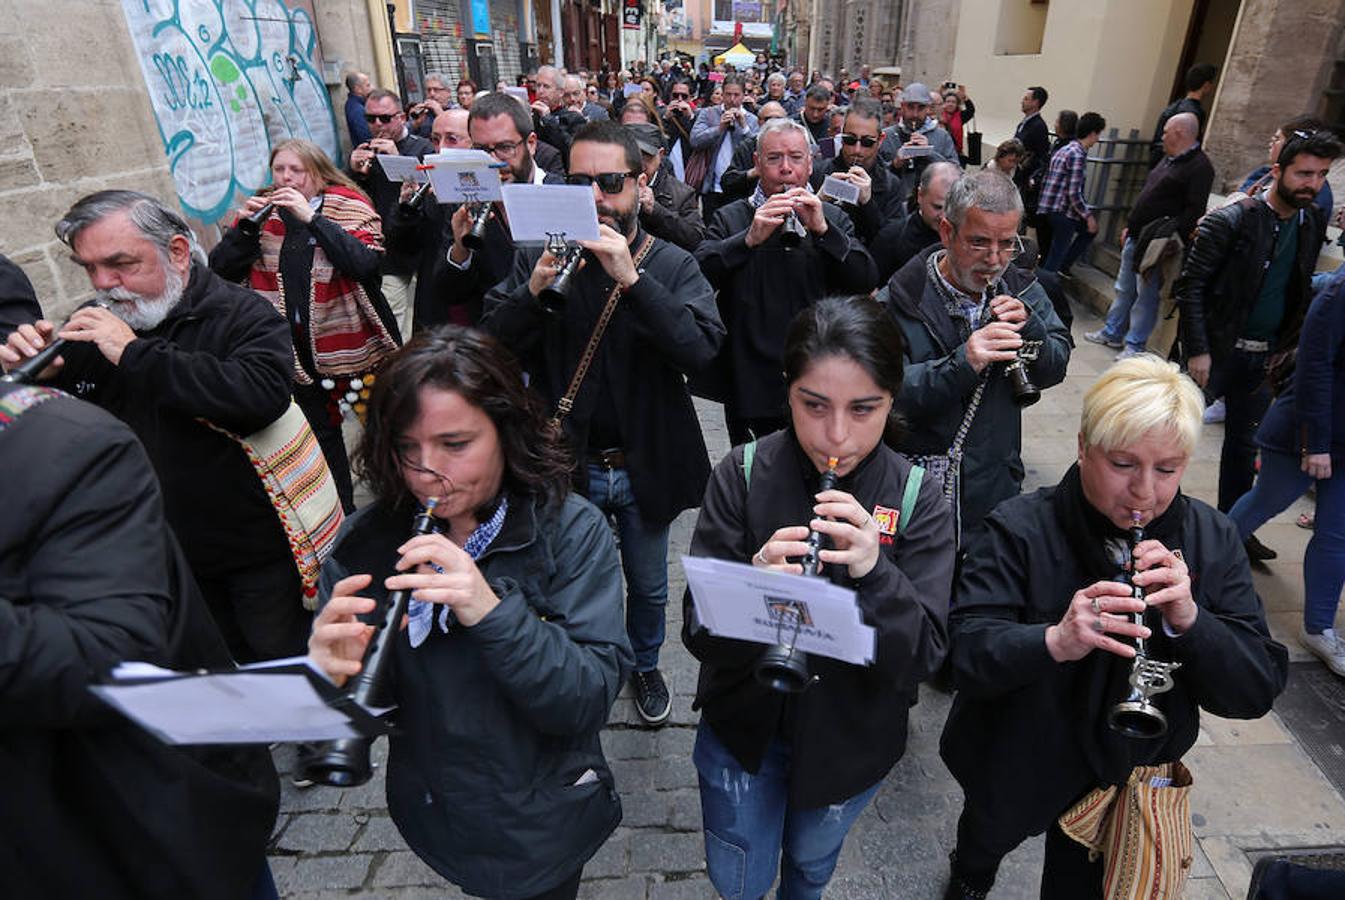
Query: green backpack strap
x=749 y=453
x=908 y=498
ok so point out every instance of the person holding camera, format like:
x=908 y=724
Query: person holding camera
x=718 y=131
x=642 y=457
x=770 y=255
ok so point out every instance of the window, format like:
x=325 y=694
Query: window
x=1022 y=24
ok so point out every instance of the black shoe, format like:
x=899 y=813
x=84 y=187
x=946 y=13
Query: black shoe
x=651 y=697
x=303 y=753
x=1257 y=551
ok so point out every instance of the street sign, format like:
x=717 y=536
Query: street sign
x=630 y=14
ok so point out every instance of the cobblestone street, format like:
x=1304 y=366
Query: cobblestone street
x=333 y=843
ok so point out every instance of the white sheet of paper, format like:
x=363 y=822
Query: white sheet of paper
x=840 y=189
x=230 y=708
x=400 y=168
x=737 y=600
x=906 y=152
x=463 y=176
x=538 y=210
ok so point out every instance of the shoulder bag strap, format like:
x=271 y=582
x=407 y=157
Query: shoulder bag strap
x=749 y=454
x=912 y=493
x=566 y=403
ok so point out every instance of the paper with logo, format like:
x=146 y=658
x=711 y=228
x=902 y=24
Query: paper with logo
x=463 y=176
x=537 y=211
x=741 y=601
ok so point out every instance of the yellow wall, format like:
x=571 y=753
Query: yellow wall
x=1115 y=57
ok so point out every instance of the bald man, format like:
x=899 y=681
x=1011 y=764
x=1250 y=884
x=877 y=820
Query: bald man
x=1173 y=200
x=576 y=99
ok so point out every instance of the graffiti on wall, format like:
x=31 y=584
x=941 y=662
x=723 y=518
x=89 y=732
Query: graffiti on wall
x=227 y=80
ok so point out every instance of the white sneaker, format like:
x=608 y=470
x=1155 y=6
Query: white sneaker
x=1100 y=337
x=1326 y=647
x=1127 y=353
x=1215 y=412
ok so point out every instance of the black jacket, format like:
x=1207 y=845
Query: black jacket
x=223 y=354
x=1012 y=740
x=676 y=216
x=424 y=233
x=1036 y=138
x=497 y=722
x=899 y=241
x=849 y=729
x=89 y=577
x=1178 y=187
x=18 y=301
x=762 y=288
x=1180 y=105
x=664 y=328
x=885 y=205
x=938 y=384
x=735 y=183
x=1221 y=278
x=386 y=194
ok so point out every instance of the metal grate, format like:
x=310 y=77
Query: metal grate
x=1312 y=707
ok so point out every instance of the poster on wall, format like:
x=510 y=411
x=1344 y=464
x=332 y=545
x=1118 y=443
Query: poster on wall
x=630 y=15
x=227 y=82
x=481 y=17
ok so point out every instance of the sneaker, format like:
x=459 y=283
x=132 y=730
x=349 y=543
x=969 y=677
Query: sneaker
x=1215 y=412
x=651 y=697
x=1257 y=551
x=1127 y=353
x=1326 y=647
x=1100 y=337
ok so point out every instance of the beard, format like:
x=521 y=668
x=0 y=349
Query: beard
x=975 y=277
x=523 y=171
x=143 y=313
x=623 y=222
x=1300 y=199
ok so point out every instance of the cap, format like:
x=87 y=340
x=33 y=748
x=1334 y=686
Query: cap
x=916 y=93
x=647 y=137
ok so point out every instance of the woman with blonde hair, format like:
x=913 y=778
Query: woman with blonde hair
x=1043 y=629
x=312 y=245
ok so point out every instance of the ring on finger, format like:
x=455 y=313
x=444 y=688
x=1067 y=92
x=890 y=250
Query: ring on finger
x=1097 y=607
x=1099 y=625
x=761 y=558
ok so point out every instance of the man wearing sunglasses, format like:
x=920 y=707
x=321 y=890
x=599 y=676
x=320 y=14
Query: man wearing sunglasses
x=764 y=276
x=391 y=137
x=643 y=459
x=857 y=163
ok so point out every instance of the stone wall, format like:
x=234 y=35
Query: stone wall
x=76 y=117
x=927 y=42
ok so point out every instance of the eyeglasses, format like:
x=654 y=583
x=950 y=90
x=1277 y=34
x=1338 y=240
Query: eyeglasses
x=608 y=182
x=984 y=246
x=681 y=95
x=500 y=150
x=850 y=140
x=381 y=118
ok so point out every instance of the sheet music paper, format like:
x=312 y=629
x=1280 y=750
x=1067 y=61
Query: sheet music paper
x=463 y=176
x=738 y=600
x=538 y=210
x=841 y=190
x=400 y=168
x=280 y=700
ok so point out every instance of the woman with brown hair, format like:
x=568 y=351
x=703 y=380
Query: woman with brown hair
x=312 y=245
x=515 y=645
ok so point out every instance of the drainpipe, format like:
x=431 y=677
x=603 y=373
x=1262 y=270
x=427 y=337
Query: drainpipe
x=557 y=40
x=380 y=33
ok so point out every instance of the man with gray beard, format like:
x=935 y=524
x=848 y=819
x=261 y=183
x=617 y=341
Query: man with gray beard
x=177 y=347
x=966 y=313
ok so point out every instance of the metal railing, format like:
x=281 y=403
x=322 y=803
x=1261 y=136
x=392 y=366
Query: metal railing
x=1113 y=180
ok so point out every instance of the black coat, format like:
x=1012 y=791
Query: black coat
x=425 y=234
x=89 y=577
x=222 y=354
x=1222 y=275
x=1036 y=139
x=886 y=204
x=900 y=240
x=497 y=722
x=386 y=194
x=1012 y=739
x=762 y=288
x=18 y=301
x=849 y=729
x=676 y=216
x=664 y=328
x=938 y=383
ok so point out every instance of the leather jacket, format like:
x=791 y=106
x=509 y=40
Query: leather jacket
x=1221 y=279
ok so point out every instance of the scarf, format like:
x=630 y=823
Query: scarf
x=1103 y=678
x=421 y=613
x=346 y=334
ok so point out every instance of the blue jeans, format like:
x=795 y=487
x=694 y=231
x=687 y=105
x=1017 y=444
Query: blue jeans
x=644 y=561
x=748 y=821
x=1135 y=309
x=1241 y=381
x=1281 y=482
x=1069 y=239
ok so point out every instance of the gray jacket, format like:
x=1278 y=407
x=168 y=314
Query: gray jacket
x=706 y=135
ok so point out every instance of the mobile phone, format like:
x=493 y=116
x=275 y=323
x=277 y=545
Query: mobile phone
x=950 y=85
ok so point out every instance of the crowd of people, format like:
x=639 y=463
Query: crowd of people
x=873 y=305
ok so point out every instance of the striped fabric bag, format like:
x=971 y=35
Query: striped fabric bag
x=299 y=485
x=1142 y=830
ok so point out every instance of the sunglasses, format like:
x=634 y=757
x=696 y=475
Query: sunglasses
x=681 y=96
x=381 y=118
x=850 y=140
x=608 y=182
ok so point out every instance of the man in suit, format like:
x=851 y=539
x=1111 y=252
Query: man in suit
x=1036 y=140
x=720 y=129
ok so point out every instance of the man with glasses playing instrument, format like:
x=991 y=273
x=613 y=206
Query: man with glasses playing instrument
x=391 y=137
x=857 y=163
x=966 y=313
x=642 y=459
